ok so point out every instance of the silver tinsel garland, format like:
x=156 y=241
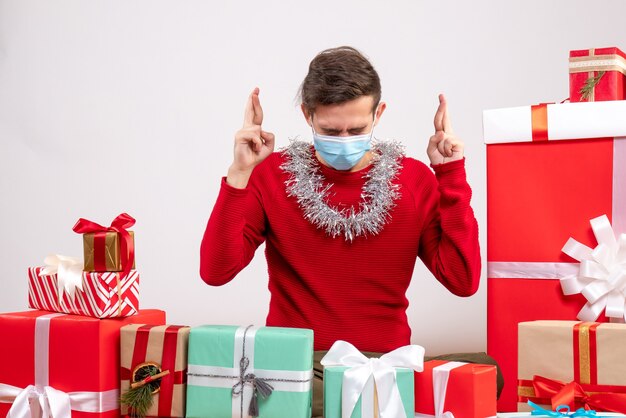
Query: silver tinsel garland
x=377 y=196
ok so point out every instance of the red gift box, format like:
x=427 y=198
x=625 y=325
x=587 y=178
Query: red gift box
x=544 y=187
x=463 y=389
x=57 y=359
x=103 y=295
x=601 y=71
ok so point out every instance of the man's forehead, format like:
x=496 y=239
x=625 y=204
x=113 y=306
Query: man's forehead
x=360 y=104
x=354 y=110
x=345 y=117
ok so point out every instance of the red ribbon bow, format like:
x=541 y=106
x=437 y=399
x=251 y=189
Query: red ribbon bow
x=119 y=225
x=574 y=395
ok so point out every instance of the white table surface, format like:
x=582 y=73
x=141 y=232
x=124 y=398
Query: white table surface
x=527 y=414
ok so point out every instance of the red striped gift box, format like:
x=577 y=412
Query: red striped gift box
x=103 y=295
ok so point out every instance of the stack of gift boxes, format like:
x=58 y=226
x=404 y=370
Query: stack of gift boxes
x=87 y=350
x=556 y=218
x=63 y=359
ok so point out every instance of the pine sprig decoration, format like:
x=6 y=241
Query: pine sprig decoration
x=139 y=397
x=590 y=84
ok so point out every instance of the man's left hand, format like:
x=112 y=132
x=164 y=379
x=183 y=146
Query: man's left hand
x=444 y=146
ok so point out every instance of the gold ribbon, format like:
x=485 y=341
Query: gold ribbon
x=526 y=391
x=584 y=356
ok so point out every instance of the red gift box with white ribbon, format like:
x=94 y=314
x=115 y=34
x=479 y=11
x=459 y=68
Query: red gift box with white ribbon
x=53 y=364
x=455 y=389
x=551 y=169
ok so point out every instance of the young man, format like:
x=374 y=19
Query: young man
x=344 y=219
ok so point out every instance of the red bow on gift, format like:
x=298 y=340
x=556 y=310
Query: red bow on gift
x=574 y=395
x=119 y=225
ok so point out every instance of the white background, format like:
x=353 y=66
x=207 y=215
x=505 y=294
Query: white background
x=130 y=106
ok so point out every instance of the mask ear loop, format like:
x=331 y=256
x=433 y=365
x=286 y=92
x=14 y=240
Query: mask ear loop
x=374 y=123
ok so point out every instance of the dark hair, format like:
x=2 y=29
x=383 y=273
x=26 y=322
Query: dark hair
x=338 y=75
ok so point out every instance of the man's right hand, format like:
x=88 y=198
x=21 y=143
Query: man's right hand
x=252 y=144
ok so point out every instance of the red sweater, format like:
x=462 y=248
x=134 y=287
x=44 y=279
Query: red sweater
x=353 y=291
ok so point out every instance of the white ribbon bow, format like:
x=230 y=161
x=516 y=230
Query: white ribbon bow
x=602 y=274
x=382 y=370
x=48 y=402
x=31 y=401
x=69 y=271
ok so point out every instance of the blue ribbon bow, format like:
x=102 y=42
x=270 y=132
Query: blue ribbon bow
x=561 y=411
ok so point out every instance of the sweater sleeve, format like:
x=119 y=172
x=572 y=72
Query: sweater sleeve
x=235 y=230
x=449 y=242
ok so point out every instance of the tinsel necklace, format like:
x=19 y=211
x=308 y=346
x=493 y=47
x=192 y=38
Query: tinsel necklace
x=378 y=194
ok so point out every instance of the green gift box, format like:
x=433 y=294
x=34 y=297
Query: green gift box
x=359 y=387
x=333 y=382
x=230 y=369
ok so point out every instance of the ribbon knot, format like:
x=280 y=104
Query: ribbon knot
x=602 y=274
x=573 y=395
x=119 y=224
x=260 y=386
x=69 y=271
x=45 y=402
x=382 y=371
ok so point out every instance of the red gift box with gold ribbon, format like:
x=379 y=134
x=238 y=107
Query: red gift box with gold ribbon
x=550 y=170
x=163 y=348
x=579 y=364
x=63 y=365
x=597 y=74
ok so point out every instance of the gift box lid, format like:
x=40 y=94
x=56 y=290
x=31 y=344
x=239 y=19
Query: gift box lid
x=559 y=121
x=274 y=348
x=597 y=59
